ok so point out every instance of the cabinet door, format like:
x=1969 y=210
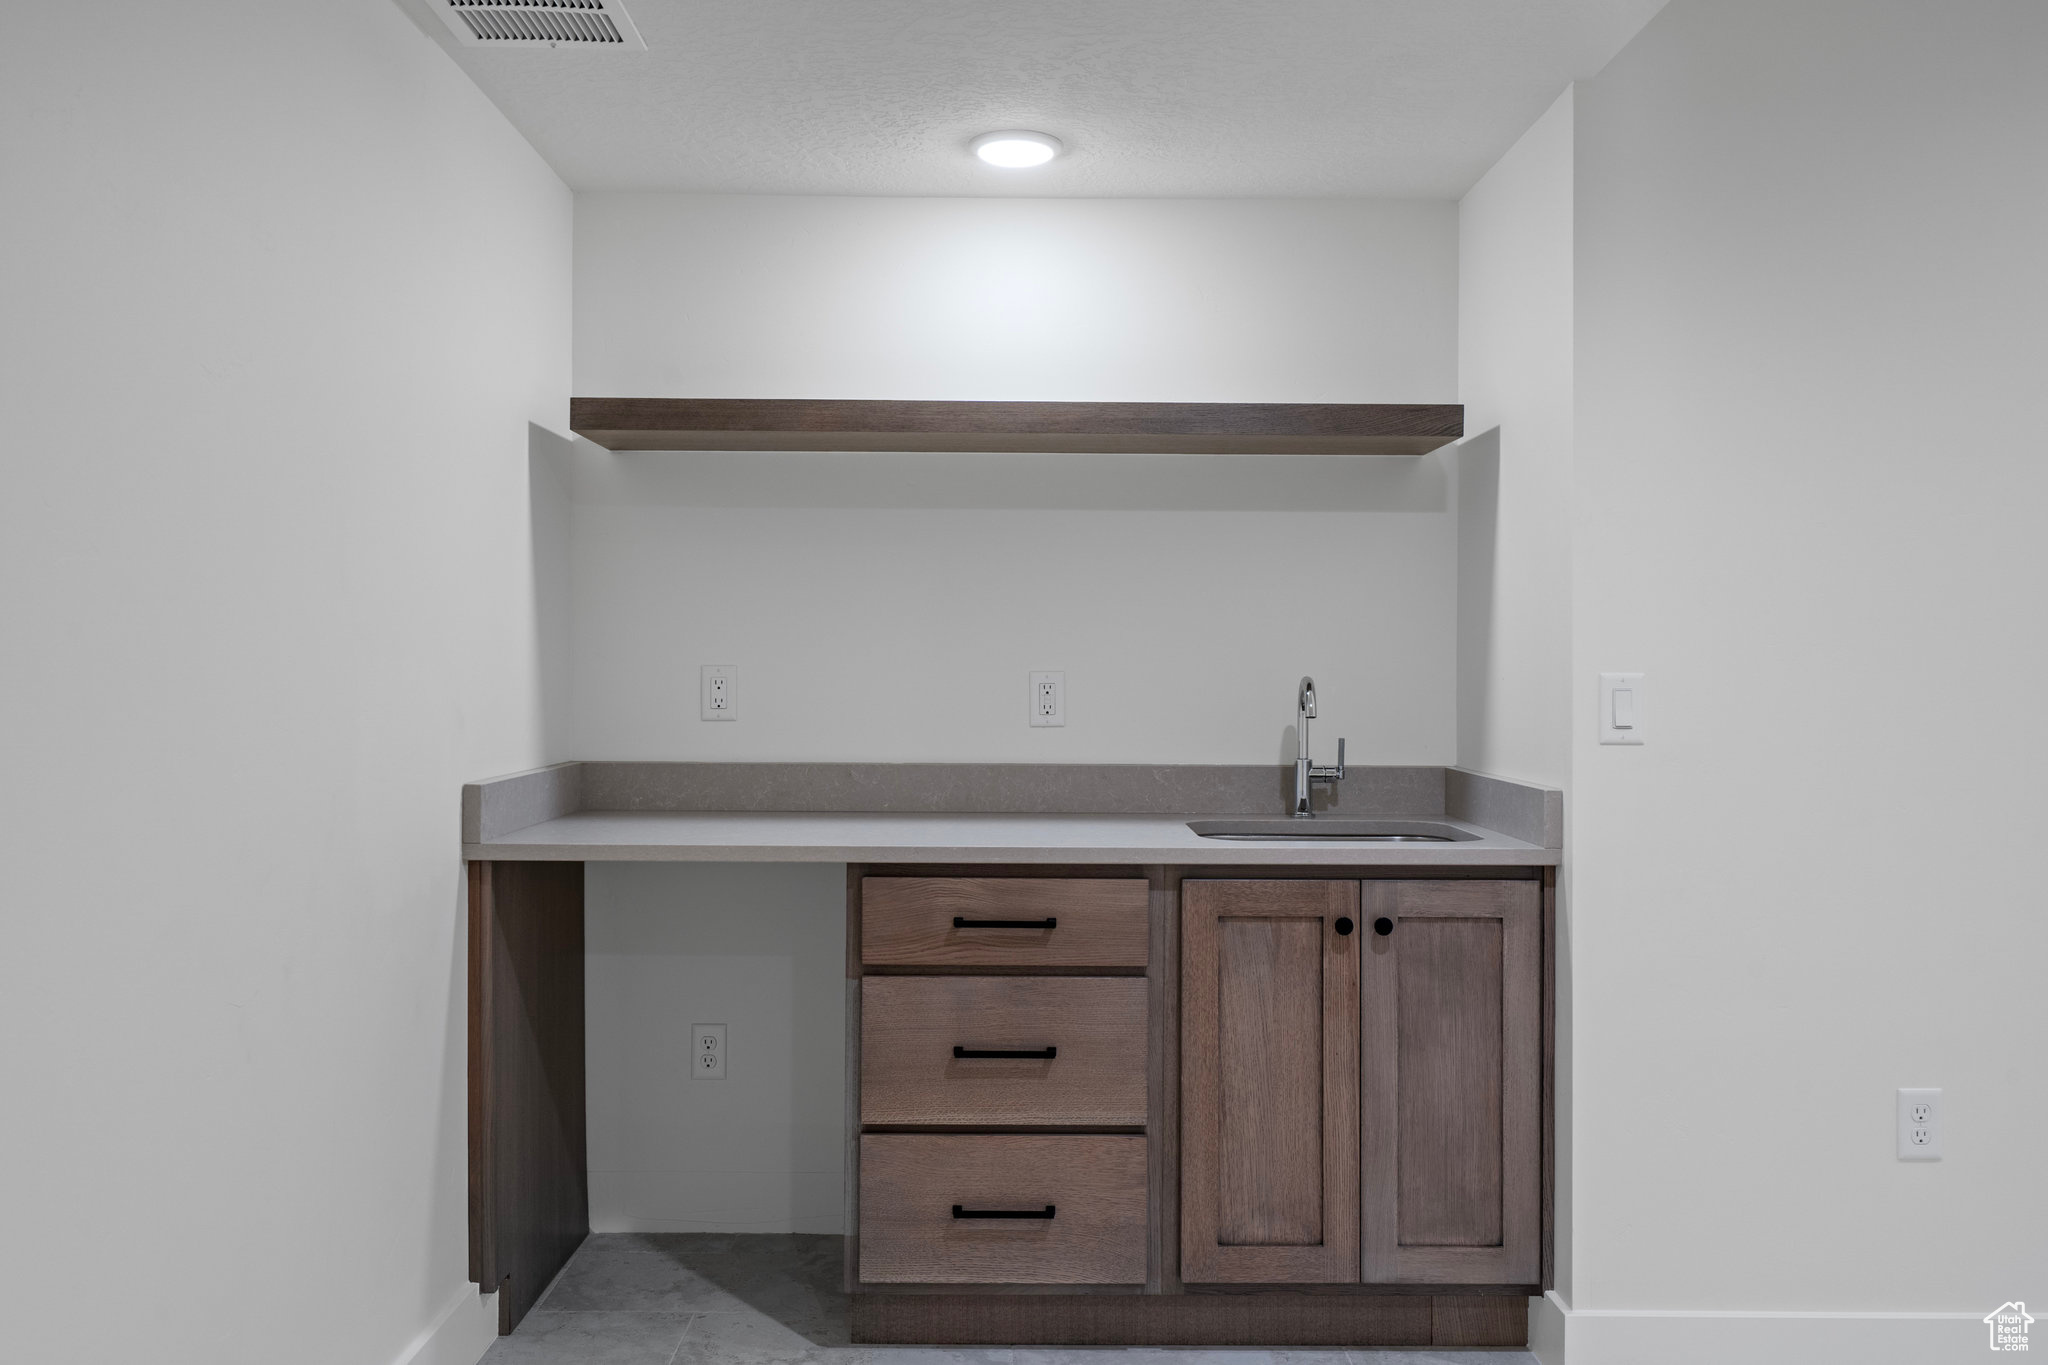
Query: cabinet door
x=1269 y=1082
x=1451 y=1082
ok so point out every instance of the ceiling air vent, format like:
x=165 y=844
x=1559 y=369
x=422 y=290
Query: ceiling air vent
x=590 y=24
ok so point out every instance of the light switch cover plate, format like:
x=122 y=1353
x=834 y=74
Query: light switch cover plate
x=1622 y=708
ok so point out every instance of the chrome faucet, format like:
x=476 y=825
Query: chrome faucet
x=1307 y=774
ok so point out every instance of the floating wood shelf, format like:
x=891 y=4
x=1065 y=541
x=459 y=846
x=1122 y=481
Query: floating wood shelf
x=1098 y=428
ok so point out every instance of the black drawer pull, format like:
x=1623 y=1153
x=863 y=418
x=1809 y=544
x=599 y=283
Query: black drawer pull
x=960 y=922
x=959 y=1212
x=1383 y=926
x=1044 y=1054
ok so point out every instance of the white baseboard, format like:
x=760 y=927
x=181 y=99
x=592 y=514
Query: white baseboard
x=460 y=1335
x=1561 y=1335
x=1548 y=1318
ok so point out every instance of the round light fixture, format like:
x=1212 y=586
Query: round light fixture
x=1016 y=150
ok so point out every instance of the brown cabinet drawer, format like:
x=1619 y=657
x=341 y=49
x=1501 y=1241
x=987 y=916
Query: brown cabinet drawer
x=914 y=1028
x=975 y=922
x=912 y=1186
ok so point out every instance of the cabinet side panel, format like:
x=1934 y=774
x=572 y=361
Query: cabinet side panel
x=850 y=1161
x=1450 y=1074
x=537 y=1181
x=483 y=1230
x=1270 y=1084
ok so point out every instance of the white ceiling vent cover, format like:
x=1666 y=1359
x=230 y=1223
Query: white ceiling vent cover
x=541 y=23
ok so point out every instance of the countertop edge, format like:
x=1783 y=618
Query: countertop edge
x=1236 y=855
x=545 y=814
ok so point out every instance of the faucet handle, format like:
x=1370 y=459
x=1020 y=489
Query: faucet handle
x=1340 y=759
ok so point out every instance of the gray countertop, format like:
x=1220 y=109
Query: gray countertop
x=818 y=837
x=541 y=816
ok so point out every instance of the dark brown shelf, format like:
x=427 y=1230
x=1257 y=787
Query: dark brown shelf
x=1098 y=428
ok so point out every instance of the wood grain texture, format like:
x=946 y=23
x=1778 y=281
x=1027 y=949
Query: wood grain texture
x=529 y=1168
x=1164 y=1320
x=1450 y=1086
x=910 y=1026
x=1269 y=1003
x=1163 y=1084
x=849 y=1263
x=1449 y=1081
x=908 y=921
x=910 y=1183
x=481 y=1004
x=1108 y=428
x=1479 y=1320
x=1269 y=1097
x=1548 y=1211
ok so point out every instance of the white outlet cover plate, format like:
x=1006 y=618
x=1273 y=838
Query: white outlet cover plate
x=707 y=1052
x=1048 y=699
x=1622 y=708
x=720 y=688
x=1919 y=1124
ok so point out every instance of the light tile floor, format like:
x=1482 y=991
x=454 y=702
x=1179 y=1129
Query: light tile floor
x=714 y=1299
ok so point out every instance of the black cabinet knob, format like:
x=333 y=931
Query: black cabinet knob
x=1344 y=924
x=1383 y=926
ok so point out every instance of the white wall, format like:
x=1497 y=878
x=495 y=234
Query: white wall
x=1189 y=300
x=890 y=607
x=1514 y=468
x=283 y=293
x=762 y=950
x=1514 y=491
x=1808 y=494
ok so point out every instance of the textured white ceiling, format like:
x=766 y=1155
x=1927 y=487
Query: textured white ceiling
x=1152 y=97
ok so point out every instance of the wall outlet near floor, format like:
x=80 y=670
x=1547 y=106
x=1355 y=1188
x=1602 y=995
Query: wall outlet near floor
x=1919 y=1125
x=1048 y=699
x=707 y=1051
x=721 y=688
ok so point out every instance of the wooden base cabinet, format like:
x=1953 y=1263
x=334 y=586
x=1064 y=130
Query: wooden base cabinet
x=1451 y=1097
x=1361 y=1082
x=1269 y=1082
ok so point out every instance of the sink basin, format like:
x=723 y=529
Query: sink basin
x=1337 y=828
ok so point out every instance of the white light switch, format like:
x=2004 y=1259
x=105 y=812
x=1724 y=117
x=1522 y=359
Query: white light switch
x=1621 y=708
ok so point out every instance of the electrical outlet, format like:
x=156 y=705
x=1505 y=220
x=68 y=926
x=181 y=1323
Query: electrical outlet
x=1919 y=1125
x=721 y=685
x=1048 y=699
x=707 y=1051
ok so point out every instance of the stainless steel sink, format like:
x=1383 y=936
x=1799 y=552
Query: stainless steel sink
x=1324 y=828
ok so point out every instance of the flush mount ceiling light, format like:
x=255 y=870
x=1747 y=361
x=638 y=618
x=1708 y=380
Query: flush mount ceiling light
x=1016 y=150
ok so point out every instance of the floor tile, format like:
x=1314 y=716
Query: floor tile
x=591 y=1339
x=931 y=1355
x=701 y=1273
x=752 y=1299
x=630 y=1273
x=749 y=1338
